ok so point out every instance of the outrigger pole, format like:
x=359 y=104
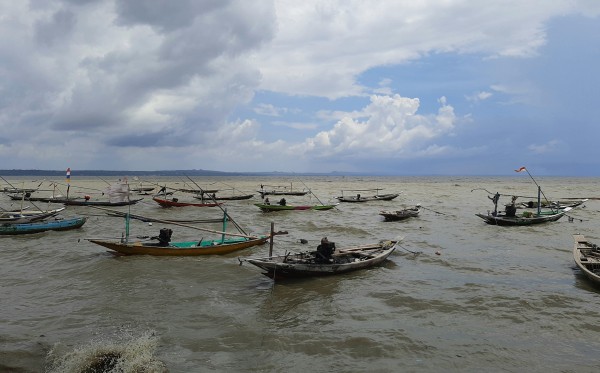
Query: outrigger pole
x=219 y=206
x=182 y=224
x=540 y=193
x=311 y=192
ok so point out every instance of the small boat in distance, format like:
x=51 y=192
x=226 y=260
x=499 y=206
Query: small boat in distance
x=215 y=197
x=307 y=264
x=403 y=214
x=27 y=216
x=269 y=208
x=587 y=258
x=87 y=202
x=174 y=202
x=18 y=190
x=360 y=198
x=553 y=204
x=278 y=190
x=51 y=199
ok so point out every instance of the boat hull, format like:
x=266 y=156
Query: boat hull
x=587 y=258
x=22 y=217
x=54 y=225
x=44 y=199
x=180 y=248
x=101 y=203
x=277 y=193
x=520 y=220
x=399 y=215
x=169 y=203
x=381 y=197
x=229 y=198
x=269 y=208
x=345 y=260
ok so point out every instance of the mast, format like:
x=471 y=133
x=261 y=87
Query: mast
x=224 y=225
x=539 y=200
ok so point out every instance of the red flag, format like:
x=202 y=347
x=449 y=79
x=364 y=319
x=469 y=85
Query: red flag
x=520 y=169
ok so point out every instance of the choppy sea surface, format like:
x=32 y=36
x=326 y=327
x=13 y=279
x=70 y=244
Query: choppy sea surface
x=457 y=295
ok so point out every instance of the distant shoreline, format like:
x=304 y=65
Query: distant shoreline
x=173 y=173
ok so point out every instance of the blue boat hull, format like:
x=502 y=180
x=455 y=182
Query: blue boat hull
x=53 y=225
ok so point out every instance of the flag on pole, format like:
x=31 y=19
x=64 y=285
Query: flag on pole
x=68 y=175
x=521 y=169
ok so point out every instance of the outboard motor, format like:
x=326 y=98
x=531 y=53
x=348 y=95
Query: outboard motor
x=510 y=210
x=164 y=237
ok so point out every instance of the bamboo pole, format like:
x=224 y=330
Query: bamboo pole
x=185 y=225
x=271 y=239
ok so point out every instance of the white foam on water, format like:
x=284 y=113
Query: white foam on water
x=125 y=354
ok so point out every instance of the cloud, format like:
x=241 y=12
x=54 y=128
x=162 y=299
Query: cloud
x=296 y=125
x=158 y=82
x=549 y=147
x=269 y=110
x=320 y=48
x=479 y=96
x=392 y=128
x=101 y=69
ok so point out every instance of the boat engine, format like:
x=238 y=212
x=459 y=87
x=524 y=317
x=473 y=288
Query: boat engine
x=164 y=237
x=510 y=210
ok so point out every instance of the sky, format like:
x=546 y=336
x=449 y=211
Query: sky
x=419 y=87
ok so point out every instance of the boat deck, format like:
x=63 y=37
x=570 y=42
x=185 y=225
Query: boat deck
x=589 y=254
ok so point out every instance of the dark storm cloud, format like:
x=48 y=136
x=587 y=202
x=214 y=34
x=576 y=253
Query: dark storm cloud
x=164 y=14
x=56 y=28
x=148 y=140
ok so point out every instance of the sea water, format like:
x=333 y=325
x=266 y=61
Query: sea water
x=457 y=295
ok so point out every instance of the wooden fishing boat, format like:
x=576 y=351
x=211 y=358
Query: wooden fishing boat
x=54 y=199
x=268 y=208
x=282 y=193
x=306 y=264
x=278 y=190
x=43 y=226
x=18 y=190
x=510 y=217
x=554 y=204
x=403 y=214
x=175 y=203
x=142 y=189
x=195 y=191
x=587 y=258
x=185 y=248
x=226 y=242
x=360 y=198
x=101 y=203
x=526 y=218
x=27 y=216
x=214 y=197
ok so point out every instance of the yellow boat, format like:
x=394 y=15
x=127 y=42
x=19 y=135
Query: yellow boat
x=188 y=248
